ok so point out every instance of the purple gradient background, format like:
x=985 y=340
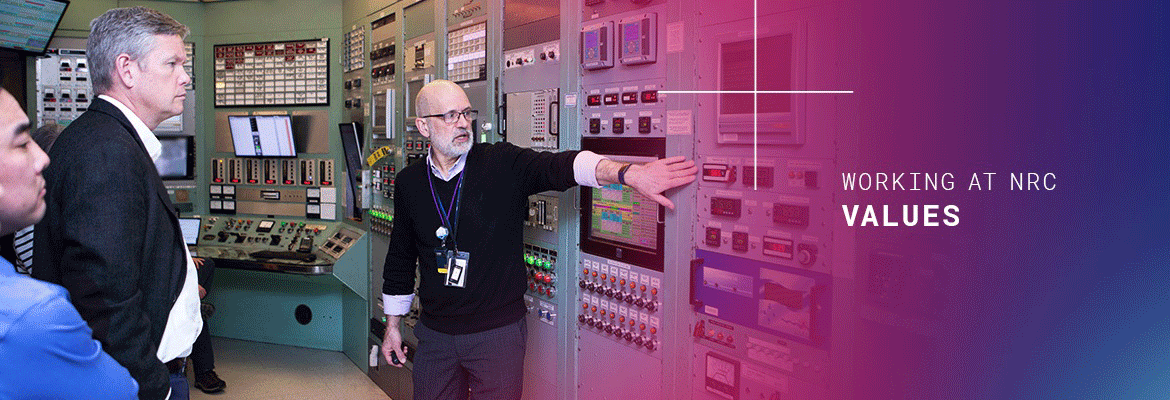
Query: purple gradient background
x=1046 y=294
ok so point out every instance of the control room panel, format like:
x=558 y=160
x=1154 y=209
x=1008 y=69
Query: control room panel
x=279 y=245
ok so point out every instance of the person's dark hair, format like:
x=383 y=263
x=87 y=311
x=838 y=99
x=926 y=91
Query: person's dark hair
x=46 y=134
x=124 y=30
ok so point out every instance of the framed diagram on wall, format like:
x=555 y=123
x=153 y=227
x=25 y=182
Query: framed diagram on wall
x=280 y=73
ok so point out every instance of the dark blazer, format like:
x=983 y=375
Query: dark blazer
x=111 y=237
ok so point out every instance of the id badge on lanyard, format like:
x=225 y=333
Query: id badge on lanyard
x=453 y=264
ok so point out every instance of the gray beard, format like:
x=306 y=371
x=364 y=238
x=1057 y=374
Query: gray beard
x=452 y=150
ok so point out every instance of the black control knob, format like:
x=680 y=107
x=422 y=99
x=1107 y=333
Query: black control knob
x=652 y=306
x=629 y=298
x=638 y=340
x=651 y=344
x=629 y=336
x=608 y=328
x=640 y=302
x=580 y=319
x=581 y=284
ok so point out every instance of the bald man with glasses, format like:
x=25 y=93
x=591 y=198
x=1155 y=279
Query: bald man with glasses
x=459 y=217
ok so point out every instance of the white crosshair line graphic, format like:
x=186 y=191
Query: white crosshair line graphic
x=756 y=93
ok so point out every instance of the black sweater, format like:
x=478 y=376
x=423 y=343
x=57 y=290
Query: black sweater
x=499 y=178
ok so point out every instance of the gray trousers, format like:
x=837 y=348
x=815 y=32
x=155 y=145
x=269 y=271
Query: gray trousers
x=485 y=365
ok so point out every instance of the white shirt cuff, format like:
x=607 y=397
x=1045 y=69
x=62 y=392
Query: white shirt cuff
x=585 y=168
x=396 y=304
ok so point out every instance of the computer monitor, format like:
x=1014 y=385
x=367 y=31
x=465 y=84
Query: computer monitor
x=177 y=162
x=190 y=229
x=27 y=26
x=262 y=135
x=617 y=222
x=766 y=118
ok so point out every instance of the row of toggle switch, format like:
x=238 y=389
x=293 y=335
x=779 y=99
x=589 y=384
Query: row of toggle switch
x=617 y=328
x=645 y=298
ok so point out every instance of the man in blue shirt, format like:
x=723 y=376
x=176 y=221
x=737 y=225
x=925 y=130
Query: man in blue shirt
x=46 y=349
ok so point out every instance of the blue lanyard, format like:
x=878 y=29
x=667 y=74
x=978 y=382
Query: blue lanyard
x=445 y=213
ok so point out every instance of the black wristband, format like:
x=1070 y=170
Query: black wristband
x=622 y=174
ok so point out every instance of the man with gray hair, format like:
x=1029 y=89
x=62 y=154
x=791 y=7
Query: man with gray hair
x=110 y=234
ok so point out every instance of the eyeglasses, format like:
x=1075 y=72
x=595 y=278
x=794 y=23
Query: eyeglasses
x=450 y=117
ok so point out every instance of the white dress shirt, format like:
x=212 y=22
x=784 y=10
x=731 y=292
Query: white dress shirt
x=184 y=321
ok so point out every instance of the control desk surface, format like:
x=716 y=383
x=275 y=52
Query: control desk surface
x=279 y=245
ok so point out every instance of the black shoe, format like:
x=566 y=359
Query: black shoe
x=209 y=382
